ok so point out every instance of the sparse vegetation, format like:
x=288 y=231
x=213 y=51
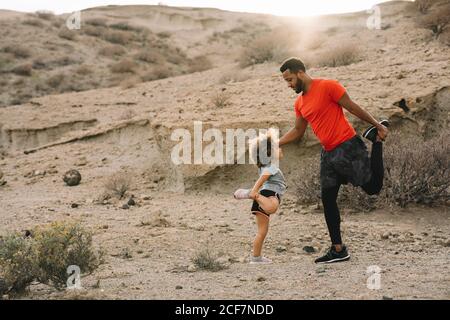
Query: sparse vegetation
x=118 y=185
x=159 y=72
x=18 y=267
x=118 y=37
x=67 y=34
x=34 y=22
x=341 y=55
x=221 y=99
x=60 y=245
x=412 y=175
x=124 y=66
x=423 y=5
x=264 y=49
x=205 y=259
x=44 y=256
x=98 y=22
x=45 y=15
x=55 y=80
x=18 y=51
x=200 y=63
x=112 y=50
x=150 y=56
x=94 y=31
x=437 y=20
x=23 y=69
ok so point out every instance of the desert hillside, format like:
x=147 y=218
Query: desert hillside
x=111 y=128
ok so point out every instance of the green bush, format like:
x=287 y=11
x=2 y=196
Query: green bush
x=18 y=267
x=45 y=255
x=61 y=245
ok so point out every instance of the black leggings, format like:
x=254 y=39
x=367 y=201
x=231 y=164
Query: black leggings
x=329 y=195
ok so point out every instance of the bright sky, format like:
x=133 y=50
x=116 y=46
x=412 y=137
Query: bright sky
x=276 y=7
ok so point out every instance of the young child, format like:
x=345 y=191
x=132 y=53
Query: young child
x=266 y=192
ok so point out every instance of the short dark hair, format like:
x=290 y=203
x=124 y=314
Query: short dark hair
x=294 y=65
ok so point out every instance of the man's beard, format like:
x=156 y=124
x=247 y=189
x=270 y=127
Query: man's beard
x=299 y=86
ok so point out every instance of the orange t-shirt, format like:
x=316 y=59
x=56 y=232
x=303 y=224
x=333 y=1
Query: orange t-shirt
x=320 y=108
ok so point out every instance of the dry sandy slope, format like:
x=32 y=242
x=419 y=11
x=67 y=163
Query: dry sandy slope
x=130 y=129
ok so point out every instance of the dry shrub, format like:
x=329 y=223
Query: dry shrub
x=98 y=22
x=45 y=15
x=93 y=31
x=205 y=259
x=124 y=27
x=340 y=55
x=84 y=70
x=112 y=50
x=164 y=34
x=159 y=72
x=118 y=37
x=221 y=99
x=417 y=171
x=118 y=185
x=18 y=51
x=129 y=83
x=55 y=80
x=23 y=69
x=423 y=5
x=124 y=66
x=44 y=256
x=412 y=175
x=266 y=48
x=33 y=22
x=150 y=56
x=199 y=63
x=67 y=34
x=437 y=20
x=233 y=76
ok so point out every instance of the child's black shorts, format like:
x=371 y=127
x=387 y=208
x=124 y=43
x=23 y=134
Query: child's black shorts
x=265 y=193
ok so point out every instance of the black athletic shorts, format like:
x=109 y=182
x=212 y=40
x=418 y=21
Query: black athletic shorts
x=265 y=193
x=348 y=162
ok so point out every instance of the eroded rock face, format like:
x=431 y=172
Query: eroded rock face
x=72 y=178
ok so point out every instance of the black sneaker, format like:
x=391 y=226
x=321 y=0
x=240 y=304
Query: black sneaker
x=333 y=256
x=372 y=132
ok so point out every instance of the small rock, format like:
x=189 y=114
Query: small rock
x=191 y=268
x=260 y=279
x=223 y=260
x=74 y=205
x=178 y=287
x=125 y=206
x=309 y=249
x=72 y=178
x=280 y=249
x=385 y=235
x=131 y=202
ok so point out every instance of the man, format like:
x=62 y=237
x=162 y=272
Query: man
x=344 y=157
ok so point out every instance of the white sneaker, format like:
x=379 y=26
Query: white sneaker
x=259 y=260
x=242 y=194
